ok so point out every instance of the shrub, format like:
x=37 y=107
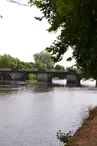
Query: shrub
x=63 y=137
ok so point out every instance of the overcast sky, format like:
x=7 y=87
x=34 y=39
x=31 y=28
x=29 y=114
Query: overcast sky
x=21 y=35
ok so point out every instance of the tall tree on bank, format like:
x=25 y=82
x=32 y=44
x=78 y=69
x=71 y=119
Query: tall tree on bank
x=43 y=60
x=77 y=20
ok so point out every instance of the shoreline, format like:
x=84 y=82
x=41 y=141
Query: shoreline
x=86 y=135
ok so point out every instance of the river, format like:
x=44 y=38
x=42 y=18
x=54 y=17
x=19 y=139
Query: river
x=32 y=113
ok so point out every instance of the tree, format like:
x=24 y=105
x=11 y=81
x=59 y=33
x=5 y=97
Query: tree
x=59 y=67
x=78 y=22
x=7 y=61
x=20 y=2
x=43 y=60
x=39 y=65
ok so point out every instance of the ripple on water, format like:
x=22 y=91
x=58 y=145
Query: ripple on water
x=32 y=113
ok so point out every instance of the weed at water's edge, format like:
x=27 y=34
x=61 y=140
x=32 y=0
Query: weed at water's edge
x=63 y=137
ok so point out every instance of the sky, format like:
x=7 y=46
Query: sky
x=21 y=35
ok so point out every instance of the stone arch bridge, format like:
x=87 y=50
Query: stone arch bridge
x=42 y=75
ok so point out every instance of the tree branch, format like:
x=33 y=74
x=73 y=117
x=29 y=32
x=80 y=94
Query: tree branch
x=19 y=2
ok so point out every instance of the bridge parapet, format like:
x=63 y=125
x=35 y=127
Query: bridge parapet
x=5 y=69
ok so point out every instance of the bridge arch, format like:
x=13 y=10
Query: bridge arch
x=5 y=76
x=30 y=76
x=58 y=76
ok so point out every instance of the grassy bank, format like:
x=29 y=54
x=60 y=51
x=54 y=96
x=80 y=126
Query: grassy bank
x=86 y=135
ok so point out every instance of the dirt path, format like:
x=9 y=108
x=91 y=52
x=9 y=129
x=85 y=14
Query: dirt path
x=87 y=134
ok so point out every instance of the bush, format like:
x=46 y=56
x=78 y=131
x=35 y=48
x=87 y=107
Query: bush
x=32 y=77
x=63 y=137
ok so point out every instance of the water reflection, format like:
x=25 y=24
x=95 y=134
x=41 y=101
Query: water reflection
x=11 y=87
x=41 y=86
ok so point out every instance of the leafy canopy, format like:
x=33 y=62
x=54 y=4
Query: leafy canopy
x=77 y=20
x=7 y=61
x=59 y=67
x=43 y=60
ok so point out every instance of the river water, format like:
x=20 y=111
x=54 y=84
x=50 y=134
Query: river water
x=32 y=113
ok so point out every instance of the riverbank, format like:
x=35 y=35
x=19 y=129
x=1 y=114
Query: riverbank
x=86 y=135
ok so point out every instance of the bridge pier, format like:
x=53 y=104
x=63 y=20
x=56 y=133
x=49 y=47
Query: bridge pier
x=73 y=80
x=17 y=76
x=44 y=77
x=96 y=83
